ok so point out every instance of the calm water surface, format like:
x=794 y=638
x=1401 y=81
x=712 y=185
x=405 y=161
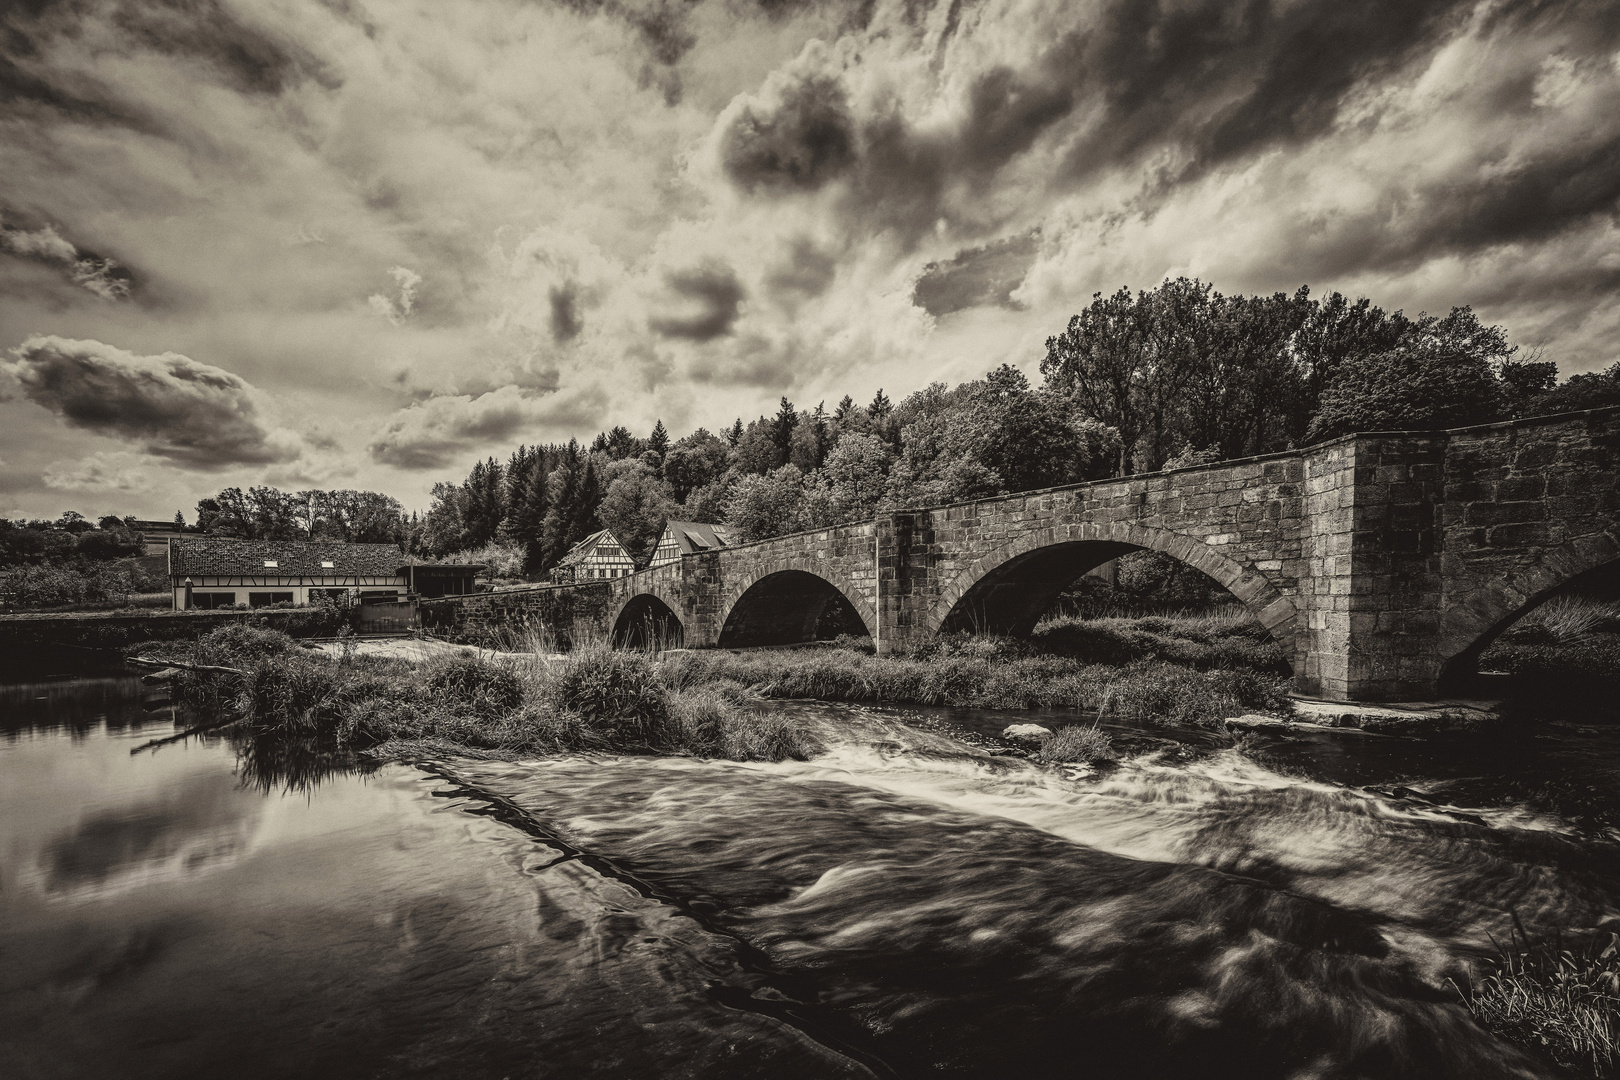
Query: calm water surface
x=904 y=904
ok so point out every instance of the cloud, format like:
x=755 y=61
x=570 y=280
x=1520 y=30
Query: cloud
x=397 y=311
x=432 y=433
x=102 y=471
x=800 y=140
x=193 y=414
x=976 y=277
x=104 y=277
x=713 y=297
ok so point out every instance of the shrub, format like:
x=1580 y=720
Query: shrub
x=487 y=688
x=1076 y=743
x=618 y=693
x=295 y=691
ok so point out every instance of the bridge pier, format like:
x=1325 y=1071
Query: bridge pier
x=1381 y=562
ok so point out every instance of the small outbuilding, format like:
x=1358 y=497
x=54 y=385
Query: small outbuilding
x=688 y=538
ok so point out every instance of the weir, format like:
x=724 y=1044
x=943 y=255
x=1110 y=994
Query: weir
x=1382 y=562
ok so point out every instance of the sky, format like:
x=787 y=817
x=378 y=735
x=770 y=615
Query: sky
x=363 y=243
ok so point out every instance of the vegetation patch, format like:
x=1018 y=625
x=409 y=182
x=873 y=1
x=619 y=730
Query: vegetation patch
x=592 y=700
x=1077 y=744
x=992 y=673
x=1561 y=1001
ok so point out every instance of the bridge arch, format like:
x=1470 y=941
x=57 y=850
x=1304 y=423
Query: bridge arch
x=784 y=603
x=647 y=620
x=1468 y=624
x=1008 y=588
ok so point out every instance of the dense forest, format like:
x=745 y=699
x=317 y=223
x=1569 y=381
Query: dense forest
x=1176 y=375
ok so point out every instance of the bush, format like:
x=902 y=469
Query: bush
x=1075 y=743
x=618 y=693
x=486 y=688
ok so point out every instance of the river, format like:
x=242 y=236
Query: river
x=903 y=904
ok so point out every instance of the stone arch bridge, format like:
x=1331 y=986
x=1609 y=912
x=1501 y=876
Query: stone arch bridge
x=1383 y=563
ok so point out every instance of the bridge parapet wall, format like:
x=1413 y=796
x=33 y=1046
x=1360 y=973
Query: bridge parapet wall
x=1242 y=522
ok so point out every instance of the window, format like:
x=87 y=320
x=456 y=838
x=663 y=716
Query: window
x=207 y=601
x=327 y=564
x=331 y=596
x=265 y=599
x=270 y=564
x=379 y=596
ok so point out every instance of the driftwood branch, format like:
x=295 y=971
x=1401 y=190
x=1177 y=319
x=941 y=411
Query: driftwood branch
x=141 y=661
x=186 y=734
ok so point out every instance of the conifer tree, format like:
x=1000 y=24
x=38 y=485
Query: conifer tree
x=734 y=433
x=658 y=441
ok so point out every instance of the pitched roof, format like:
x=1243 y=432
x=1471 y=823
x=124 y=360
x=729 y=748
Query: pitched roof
x=693 y=536
x=293 y=558
x=587 y=547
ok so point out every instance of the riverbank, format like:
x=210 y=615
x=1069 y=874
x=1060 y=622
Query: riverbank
x=418 y=697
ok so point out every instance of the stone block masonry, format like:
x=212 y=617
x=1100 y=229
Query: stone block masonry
x=1382 y=562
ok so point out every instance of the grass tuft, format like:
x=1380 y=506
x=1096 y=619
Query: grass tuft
x=1562 y=1002
x=1076 y=743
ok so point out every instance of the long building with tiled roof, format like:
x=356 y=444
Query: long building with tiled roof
x=256 y=573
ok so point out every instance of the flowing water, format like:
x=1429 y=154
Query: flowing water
x=904 y=904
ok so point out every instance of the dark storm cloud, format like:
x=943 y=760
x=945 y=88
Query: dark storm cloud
x=1214 y=79
x=566 y=322
x=715 y=293
x=806 y=142
x=247 y=59
x=196 y=415
x=976 y=277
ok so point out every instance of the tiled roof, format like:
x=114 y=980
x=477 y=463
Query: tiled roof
x=693 y=536
x=293 y=558
x=587 y=547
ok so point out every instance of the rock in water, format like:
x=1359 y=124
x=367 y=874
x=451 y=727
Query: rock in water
x=1025 y=732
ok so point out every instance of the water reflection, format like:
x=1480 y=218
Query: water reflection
x=199 y=825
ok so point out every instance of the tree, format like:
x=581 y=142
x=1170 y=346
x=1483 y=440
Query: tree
x=635 y=508
x=734 y=433
x=1441 y=375
x=850 y=484
x=1593 y=390
x=74 y=522
x=758 y=451
x=759 y=507
x=808 y=444
x=658 y=441
x=441 y=530
x=484 y=508
x=617 y=442
x=558 y=530
x=782 y=428
x=697 y=460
